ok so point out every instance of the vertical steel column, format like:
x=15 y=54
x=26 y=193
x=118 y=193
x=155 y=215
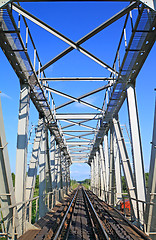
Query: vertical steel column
x=91 y=176
x=58 y=171
x=69 y=176
x=94 y=175
x=101 y=187
x=48 y=165
x=34 y=161
x=117 y=172
x=103 y=173
x=66 y=175
x=136 y=147
x=61 y=174
x=106 y=161
x=52 y=159
x=126 y=166
x=6 y=185
x=42 y=175
x=111 y=169
x=100 y=176
x=21 y=154
x=48 y=170
x=97 y=174
x=151 y=190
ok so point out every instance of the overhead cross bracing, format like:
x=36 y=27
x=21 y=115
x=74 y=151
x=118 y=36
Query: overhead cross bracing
x=78 y=110
x=41 y=102
x=121 y=78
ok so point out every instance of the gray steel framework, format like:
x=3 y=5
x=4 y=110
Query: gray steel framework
x=94 y=136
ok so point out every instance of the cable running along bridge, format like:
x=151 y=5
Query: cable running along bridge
x=65 y=135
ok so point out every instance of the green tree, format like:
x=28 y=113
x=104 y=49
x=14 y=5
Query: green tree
x=37 y=182
x=124 y=185
x=146 y=178
x=13 y=179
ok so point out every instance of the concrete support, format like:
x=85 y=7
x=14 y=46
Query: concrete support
x=21 y=155
x=34 y=162
x=42 y=175
x=126 y=167
x=117 y=172
x=106 y=161
x=136 y=148
x=151 y=190
x=7 y=195
x=103 y=174
x=111 y=169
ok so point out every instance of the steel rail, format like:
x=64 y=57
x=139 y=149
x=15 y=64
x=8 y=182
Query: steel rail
x=96 y=216
x=105 y=206
x=64 y=218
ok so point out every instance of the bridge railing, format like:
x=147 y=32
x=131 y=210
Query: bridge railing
x=30 y=210
x=141 y=214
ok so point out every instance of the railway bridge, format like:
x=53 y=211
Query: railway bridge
x=77 y=119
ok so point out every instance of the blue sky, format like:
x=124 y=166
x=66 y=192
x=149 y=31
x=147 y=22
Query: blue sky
x=75 y=20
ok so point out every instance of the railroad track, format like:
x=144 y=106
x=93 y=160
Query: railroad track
x=81 y=220
x=91 y=218
x=115 y=224
x=84 y=216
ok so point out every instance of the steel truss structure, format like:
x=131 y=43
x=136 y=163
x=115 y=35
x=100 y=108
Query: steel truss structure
x=94 y=137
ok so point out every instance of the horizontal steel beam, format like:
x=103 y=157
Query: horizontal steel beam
x=91 y=34
x=72 y=98
x=78 y=116
x=79 y=161
x=62 y=37
x=86 y=95
x=72 y=131
x=78 y=124
x=67 y=1
x=79 y=155
x=74 y=143
x=77 y=79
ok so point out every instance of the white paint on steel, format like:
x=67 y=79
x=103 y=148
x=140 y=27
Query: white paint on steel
x=137 y=147
x=21 y=153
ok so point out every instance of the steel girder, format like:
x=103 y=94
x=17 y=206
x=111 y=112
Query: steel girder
x=21 y=153
x=150 y=212
x=7 y=194
x=129 y=69
x=119 y=81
